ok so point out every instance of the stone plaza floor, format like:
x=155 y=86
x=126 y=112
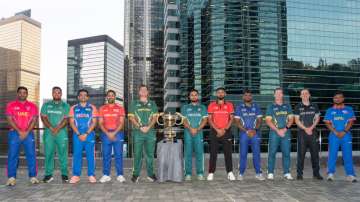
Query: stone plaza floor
x=218 y=190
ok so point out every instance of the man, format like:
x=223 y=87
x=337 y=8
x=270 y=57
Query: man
x=248 y=118
x=143 y=114
x=111 y=122
x=54 y=115
x=339 y=119
x=307 y=116
x=279 y=118
x=196 y=118
x=221 y=115
x=22 y=117
x=83 y=122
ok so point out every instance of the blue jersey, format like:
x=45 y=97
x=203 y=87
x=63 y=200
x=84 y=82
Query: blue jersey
x=248 y=115
x=339 y=117
x=83 y=116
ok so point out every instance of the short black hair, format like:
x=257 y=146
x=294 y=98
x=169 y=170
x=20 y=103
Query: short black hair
x=276 y=89
x=193 y=90
x=110 y=91
x=83 y=90
x=246 y=90
x=220 y=88
x=56 y=88
x=339 y=92
x=21 y=88
x=143 y=86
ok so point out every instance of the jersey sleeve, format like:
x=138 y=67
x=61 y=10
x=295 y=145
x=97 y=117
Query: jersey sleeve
x=131 y=110
x=210 y=108
x=34 y=111
x=328 y=116
x=8 y=110
x=67 y=110
x=269 y=112
x=122 y=111
x=238 y=111
x=258 y=112
x=95 y=112
x=204 y=111
x=43 y=111
x=351 y=115
x=101 y=112
x=71 y=111
x=231 y=108
x=289 y=110
x=297 y=110
x=154 y=108
x=317 y=110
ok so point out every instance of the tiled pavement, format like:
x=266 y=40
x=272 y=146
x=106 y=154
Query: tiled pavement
x=218 y=190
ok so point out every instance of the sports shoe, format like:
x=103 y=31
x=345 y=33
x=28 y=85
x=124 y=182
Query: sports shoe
x=270 y=176
x=47 y=179
x=260 y=177
x=64 y=178
x=231 y=176
x=11 y=181
x=200 y=177
x=351 y=178
x=120 y=178
x=188 y=178
x=288 y=176
x=74 y=179
x=318 y=177
x=330 y=177
x=105 y=178
x=34 y=180
x=92 y=179
x=210 y=177
x=299 y=177
x=135 y=179
x=152 y=178
x=240 y=177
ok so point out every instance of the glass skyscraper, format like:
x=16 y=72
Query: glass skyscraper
x=97 y=65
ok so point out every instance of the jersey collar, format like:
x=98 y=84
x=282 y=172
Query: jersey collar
x=342 y=106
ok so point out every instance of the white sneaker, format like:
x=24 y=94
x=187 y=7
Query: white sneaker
x=270 y=176
x=105 y=178
x=288 y=176
x=34 y=180
x=200 y=177
x=121 y=178
x=351 y=178
x=240 y=177
x=210 y=177
x=188 y=178
x=11 y=181
x=260 y=177
x=330 y=177
x=231 y=176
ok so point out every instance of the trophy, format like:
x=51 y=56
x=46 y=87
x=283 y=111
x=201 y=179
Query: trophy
x=169 y=121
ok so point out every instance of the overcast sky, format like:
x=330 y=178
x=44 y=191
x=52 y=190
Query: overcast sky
x=64 y=20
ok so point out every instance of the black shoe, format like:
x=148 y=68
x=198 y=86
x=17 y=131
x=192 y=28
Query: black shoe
x=48 y=178
x=65 y=178
x=135 y=179
x=318 y=177
x=299 y=177
x=152 y=178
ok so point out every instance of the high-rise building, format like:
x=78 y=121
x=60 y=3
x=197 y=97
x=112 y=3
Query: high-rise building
x=97 y=65
x=144 y=38
x=20 y=41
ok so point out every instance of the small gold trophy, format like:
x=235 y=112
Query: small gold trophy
x=169 y=121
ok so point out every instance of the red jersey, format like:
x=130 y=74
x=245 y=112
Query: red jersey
x=220 y=113
x=22 y=113
x=111 y=115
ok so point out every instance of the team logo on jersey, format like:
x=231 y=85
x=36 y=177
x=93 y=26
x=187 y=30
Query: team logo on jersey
x=345 y=112
x=16 y=108
x=333 y=113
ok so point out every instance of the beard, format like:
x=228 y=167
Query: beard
x=221 y=98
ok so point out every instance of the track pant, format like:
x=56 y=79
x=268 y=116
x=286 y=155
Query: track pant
x=59 y=142
x=285 y=144
x=107 y=147
x=305 y=142
x=346 y=146
x=14 y=144
x=226 y=141
x=254 y=142
x=89 y=146
x=196 y=144
x=144 y=141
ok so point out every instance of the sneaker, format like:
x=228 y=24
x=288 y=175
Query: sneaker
x=11 y=181
x=64 y=178
x=240 y=177
x=231 y=176
x=34 y=180
x=74 y=179
x=288 y=176
x=330 y=177
x=200 y=177
x=299 y=177
x=318 y=177
x=135 y=179
x=47 y=179
x=92 y=179
x=105 y=178
x=260 y=177
x=188 y=178
x=210 y=177
x=120 y=179
x=351 y=178
x=152 y=178
x=270 y=176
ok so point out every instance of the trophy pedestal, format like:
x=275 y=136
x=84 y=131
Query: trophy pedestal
x=170 y=161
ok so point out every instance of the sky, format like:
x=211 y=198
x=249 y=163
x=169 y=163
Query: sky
x=64 y=20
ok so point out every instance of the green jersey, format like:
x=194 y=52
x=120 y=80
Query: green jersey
x=194 y=113
x=55 y=112
x=143 y=111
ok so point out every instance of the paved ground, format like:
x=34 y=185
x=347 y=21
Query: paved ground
x=218 y=190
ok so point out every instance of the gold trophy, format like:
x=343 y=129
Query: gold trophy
x=169 y=121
